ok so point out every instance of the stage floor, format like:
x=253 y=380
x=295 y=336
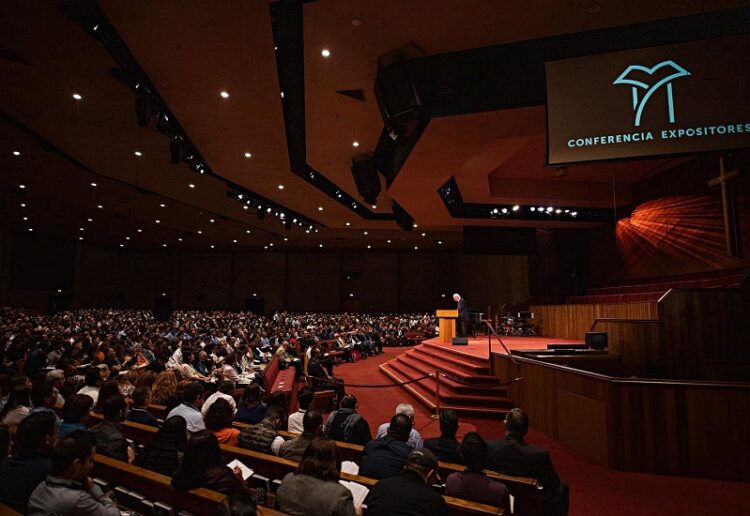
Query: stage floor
x=478 y=345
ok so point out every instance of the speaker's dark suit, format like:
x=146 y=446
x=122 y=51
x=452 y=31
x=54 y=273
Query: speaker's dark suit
x=463 y=318
x=512 y=456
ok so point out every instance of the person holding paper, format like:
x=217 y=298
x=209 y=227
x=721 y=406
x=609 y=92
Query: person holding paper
x=314 y=488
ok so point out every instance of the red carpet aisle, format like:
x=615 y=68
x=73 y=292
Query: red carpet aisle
x=595 y=490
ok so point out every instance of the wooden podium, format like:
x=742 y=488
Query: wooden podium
x=447 y=320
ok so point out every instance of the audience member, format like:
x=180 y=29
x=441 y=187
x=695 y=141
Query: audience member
x=264 y=436
x=75 y=414
x=125 y=383
x=110 y=439
x=314 y=489
x=69 y=489
x=43 y=399
x=164 y=389
x=225 y=392
x=22 y=472
x=240 y=503
x=346 y=425
x=107 y=389
x=192 y=399
x=56 y=377
x=17 y=407
x=93 y=380
x=513 y=456
x=202 y=467
x=219 y=421
x=415 y=440
x=251 y=409
x=385 y=457
x=323 y=379
x=295 y=448
x=408 y=493
x=472 y=484
x=163 y=453
x=14 y=381
x=304 y=398
x=446 y=446
x=139 y=413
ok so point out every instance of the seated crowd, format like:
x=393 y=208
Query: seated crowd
x=48 y=470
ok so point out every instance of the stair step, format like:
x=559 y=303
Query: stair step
x=453 y=360
x=460 y=388
x=446 y=396
x=457 y=351
x=436 y=363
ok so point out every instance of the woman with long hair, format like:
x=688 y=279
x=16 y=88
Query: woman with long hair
x=164 y=453
x=18 y=406
x=147 y=378
x=202 y=467
x=251 y=410
x=219 y=420
x=314 y=489
x=164 y=387
x=108 y=388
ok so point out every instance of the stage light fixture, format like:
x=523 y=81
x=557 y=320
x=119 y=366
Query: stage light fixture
x=516 y=207
x=532 y=208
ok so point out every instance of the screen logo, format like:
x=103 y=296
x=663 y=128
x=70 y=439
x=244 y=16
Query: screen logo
x=650 y=80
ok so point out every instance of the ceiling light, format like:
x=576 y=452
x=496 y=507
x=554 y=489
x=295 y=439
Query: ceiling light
x=23 y=205
x=281 y=187
x=80 y=238
x=271 y=244
x=16 y=153
x=355 y=144
x=179 y=239
x=533 y=209
x=424 y=234
x=286 y=239
x=351 y=294
x=573 y=213
x=224 y=95
x=211 y=220
x=138 y=153
x=440 y=242
x=516 y=207
x=369 y=246
x=191 y=185
x=248 y=155
x=558 y=210
x=100 y=206
x=416 y=248
x=26 y=218
x=540 y=208
x=549 y=208
x=162 y=205
x=325 y=52
x=22 y=187
x=199 y=232
x=388 y=241
x=31 y=229
x=245 y=207
x=157 y=221
x=247 y=231
x=127 y=238
x=122 y=245
x=320 y=245
x=504 y=210
x=90 y=219
x=415 y=226
x=320 y=208
x=348 y=223
x=265 y=247
x=77 y=96
x=365 y=232
x=164 y=245
x=212 y=246
x=93 y=184
x=374 y=206
x=234 y=240
x=282 y=94
x=140 y=230
x=80 y=229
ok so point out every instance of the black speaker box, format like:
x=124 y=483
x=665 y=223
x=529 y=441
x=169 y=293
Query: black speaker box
x=460 y=341
x=366 y=178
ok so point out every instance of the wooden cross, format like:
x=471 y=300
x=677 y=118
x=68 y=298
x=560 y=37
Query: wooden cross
x=722 y=179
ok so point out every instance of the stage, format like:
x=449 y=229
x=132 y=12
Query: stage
x=477 y=346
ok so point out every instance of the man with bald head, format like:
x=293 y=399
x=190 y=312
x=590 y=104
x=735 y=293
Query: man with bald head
x=463 y=315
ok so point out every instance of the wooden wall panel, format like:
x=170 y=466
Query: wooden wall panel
x=682 y=428
x=637 y=342
x=573 y=321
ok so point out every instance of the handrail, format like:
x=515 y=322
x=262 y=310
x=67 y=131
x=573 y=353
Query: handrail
x=490 y=333
x=634 y=381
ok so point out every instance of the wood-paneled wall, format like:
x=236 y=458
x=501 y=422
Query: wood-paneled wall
x=677 y=428
x=573 y=321
x=638 y=343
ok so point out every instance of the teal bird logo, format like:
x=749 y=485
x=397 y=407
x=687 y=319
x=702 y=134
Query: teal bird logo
x=641 y=79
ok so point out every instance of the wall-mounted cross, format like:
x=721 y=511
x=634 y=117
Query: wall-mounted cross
x=726 y=197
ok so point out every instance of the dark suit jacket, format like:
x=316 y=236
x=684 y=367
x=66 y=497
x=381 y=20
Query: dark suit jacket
x=512 y=456
x=463 y=310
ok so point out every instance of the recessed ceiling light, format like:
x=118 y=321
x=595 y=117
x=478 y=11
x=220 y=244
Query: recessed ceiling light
x=100 y=206
x=282 y=94
x=162 y=205
x=248 y=155
x=122 y=245
x=369 y=247
x=81 y=229
x=140 y=230
x=416 y=248
x=271 y=244
x=286 y=239
x=25 y=218
x=22 y=187
x=440 y=242
x=164 y=245
x=77 y=96
x=31 y=229
x=224 y=95
x=127 y=238
x=191 y=185
x=23 y=205
x=80 y=238
x=265 y=247
x=325 y=52
x=247 y=231
x=93 y=184
x=516 y=207
x=415 y=225
x=211 y=220
x=320 y=208
x=157 y=221
x=351 y=294
x=16 y=153
x=320 y=245
x=424 y=234
x=388 y=241
x=245 y=207
x=212 y=246
x=235 y=240
x=365 y=232
x=138 y=153
x=374 y=206
x=179 y=239
x=355 y=144
x=199 y=232
x=281 y=187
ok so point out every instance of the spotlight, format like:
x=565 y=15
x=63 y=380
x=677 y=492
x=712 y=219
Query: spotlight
x=504 y=210
x=533 y=209
x=325 y=52
x=248 y=155
x=175 y=150
x=16 y=153
x=516 y=207
x=224 y=95
x=77 y=96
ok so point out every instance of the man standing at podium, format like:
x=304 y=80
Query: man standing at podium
x=463 y=316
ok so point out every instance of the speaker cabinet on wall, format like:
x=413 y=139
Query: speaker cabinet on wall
x=366 y=178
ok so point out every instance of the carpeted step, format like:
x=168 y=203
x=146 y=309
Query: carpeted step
x=458 y=352
x=448 y=396
x=453 y=360
x=419 y=369
x=435 y=362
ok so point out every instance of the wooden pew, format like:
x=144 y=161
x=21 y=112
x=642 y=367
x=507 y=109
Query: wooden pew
x=158 y=487
x=7 y=511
